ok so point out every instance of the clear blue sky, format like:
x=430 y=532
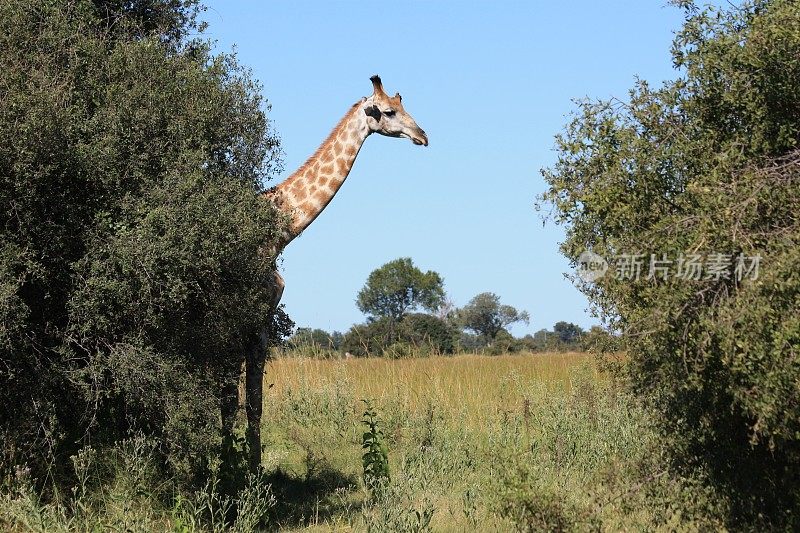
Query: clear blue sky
x=491 y=83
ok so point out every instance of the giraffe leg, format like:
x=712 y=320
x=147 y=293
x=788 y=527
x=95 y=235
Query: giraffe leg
x=254 y=381
x=254 y=385
x=229 y=403
x=280 y=284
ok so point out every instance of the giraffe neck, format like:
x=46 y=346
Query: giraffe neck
x=305 y=193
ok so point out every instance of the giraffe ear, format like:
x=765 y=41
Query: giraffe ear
x=373 y=112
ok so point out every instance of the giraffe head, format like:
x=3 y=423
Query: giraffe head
x=385 y=115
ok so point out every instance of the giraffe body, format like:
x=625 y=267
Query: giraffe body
x=302 y=197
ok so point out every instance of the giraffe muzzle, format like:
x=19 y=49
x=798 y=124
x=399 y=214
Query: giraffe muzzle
x=420 y=138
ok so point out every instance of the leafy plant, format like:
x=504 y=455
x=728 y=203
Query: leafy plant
x=398 y=287
x=132 y=264
x=706 y=166
x=375 y=459
x=486 y=316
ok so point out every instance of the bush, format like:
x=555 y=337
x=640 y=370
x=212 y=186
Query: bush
x=708 y=164
x=132 y=236
x=415 y=334
x=314 y=342
x=370 y=338
x=428 y=333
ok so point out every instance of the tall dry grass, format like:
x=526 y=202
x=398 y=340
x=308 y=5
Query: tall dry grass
x=473 y=388
x=528 y=442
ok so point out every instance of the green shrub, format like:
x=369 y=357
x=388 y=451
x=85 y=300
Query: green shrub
x=428 y=333
x=708 y=164
x=375 y=458
x=132 y=236
x=532 y=508
x=313 y=342
x=370 y=338
x=415 y=334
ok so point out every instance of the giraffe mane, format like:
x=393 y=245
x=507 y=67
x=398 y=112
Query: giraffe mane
x=331 y=136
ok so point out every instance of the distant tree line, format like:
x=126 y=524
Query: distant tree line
x=409 y=314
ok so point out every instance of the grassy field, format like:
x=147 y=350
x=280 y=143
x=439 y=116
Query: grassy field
x=471 y=388
x=530 y=442
x=475 y=443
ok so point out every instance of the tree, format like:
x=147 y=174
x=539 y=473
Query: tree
x=543 y=341
x=315 y=338
x=132 y=236
x=371 y=338
x=428 y=333
x=599 y=340
x=398 y=287
x=704 y=171
x=486 y=316
x=416 y=334
x=568 y=332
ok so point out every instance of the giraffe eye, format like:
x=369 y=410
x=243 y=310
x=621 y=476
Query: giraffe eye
x=389 y=112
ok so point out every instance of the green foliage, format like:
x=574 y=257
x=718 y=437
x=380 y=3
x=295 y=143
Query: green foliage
x=599 y=340
x=122 y=488
x=169 y=21
x=375 y=459
x=564 y=337
x=486 y=316
x=567 y=332
x=427 y=333
x=415 y=334
x=398 y=287
x=543 y=341
x=706 y=164
x=308 y=342
x=504 y=342
x=532 y=508
x=370 y=338
x=132 y=238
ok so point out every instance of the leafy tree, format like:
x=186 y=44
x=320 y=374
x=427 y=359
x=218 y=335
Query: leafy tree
x=132 y=237
x=416 y=334
x=486 y=316
x=428 y=333
x=371 y=338
x=398 y=287
x=543 y=341
x=568 y=332
x=315 y=337
x=600 y=340
x=707 y=164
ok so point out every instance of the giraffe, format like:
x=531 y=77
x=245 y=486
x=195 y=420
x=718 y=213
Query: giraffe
x=302 y=197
